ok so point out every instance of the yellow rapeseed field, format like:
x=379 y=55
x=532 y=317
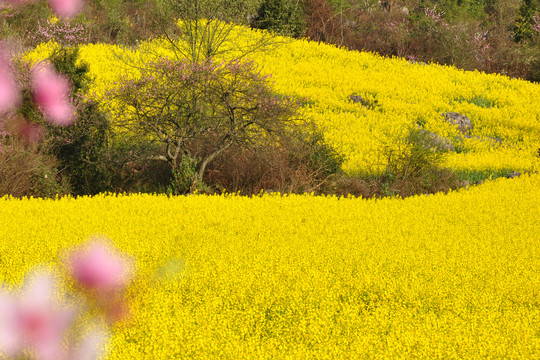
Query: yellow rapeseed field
x=505 y=112
x=303 y=277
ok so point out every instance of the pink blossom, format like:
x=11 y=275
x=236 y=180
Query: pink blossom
x=536 y=23
x=433 y=14
x=9 y=94
x=66 y=8
x=99 y=267
x=34 y=321
x=51 y=93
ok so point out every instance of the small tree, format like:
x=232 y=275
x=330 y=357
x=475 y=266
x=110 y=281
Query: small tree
x=82 y=147
x=199 y=109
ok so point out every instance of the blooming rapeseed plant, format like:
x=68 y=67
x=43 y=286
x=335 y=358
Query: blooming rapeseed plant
x=306 y=277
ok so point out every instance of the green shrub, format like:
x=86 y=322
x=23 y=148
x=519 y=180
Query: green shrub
x=523 y=26
x=183 y=176
x=309 y=147
x=283 y=17
x=414 y=167
x=82 y=148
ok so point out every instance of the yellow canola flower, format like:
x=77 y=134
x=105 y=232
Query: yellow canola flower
x=306 y=277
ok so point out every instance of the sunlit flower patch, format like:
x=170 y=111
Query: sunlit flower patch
x=299 y=276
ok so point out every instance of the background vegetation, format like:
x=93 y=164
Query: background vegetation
x=499 y=36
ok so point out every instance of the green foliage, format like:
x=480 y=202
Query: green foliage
x=414 y=166
x=310 y=148
x=477 y=100
x=283 y=17
x=476 y=176
x=418 y=152
x=237 y=11
x=64 y=61
x=82 y=148
x=456 y=9
x=183 y=176
x=523 y=29
x=19 y=21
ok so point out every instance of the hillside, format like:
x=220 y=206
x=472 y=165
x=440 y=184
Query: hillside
x=397 y=94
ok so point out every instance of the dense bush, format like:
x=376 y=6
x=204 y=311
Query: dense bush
x=300 y=161
x=413 y=165
x=491 y=36
x=82 y=149
x=283 y=17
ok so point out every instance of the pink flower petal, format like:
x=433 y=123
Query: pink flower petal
x=100 y=267
x=51 y=93
x=92 y=345
x=10 y=341
x=39 y=287
x=61 y=114
x=9 y=94
x=66 y=8
x=35 y=321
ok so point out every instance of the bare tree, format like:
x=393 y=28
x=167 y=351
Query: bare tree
x=194 y=104
x=199 y=109
x=208 y=29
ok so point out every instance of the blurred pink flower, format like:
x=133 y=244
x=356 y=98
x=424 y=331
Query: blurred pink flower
x=9 y=94
x=51 y=93
x=34 y=321
x=101 y=268
x=66 y=8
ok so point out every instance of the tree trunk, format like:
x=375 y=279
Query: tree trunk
x=202 y=167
